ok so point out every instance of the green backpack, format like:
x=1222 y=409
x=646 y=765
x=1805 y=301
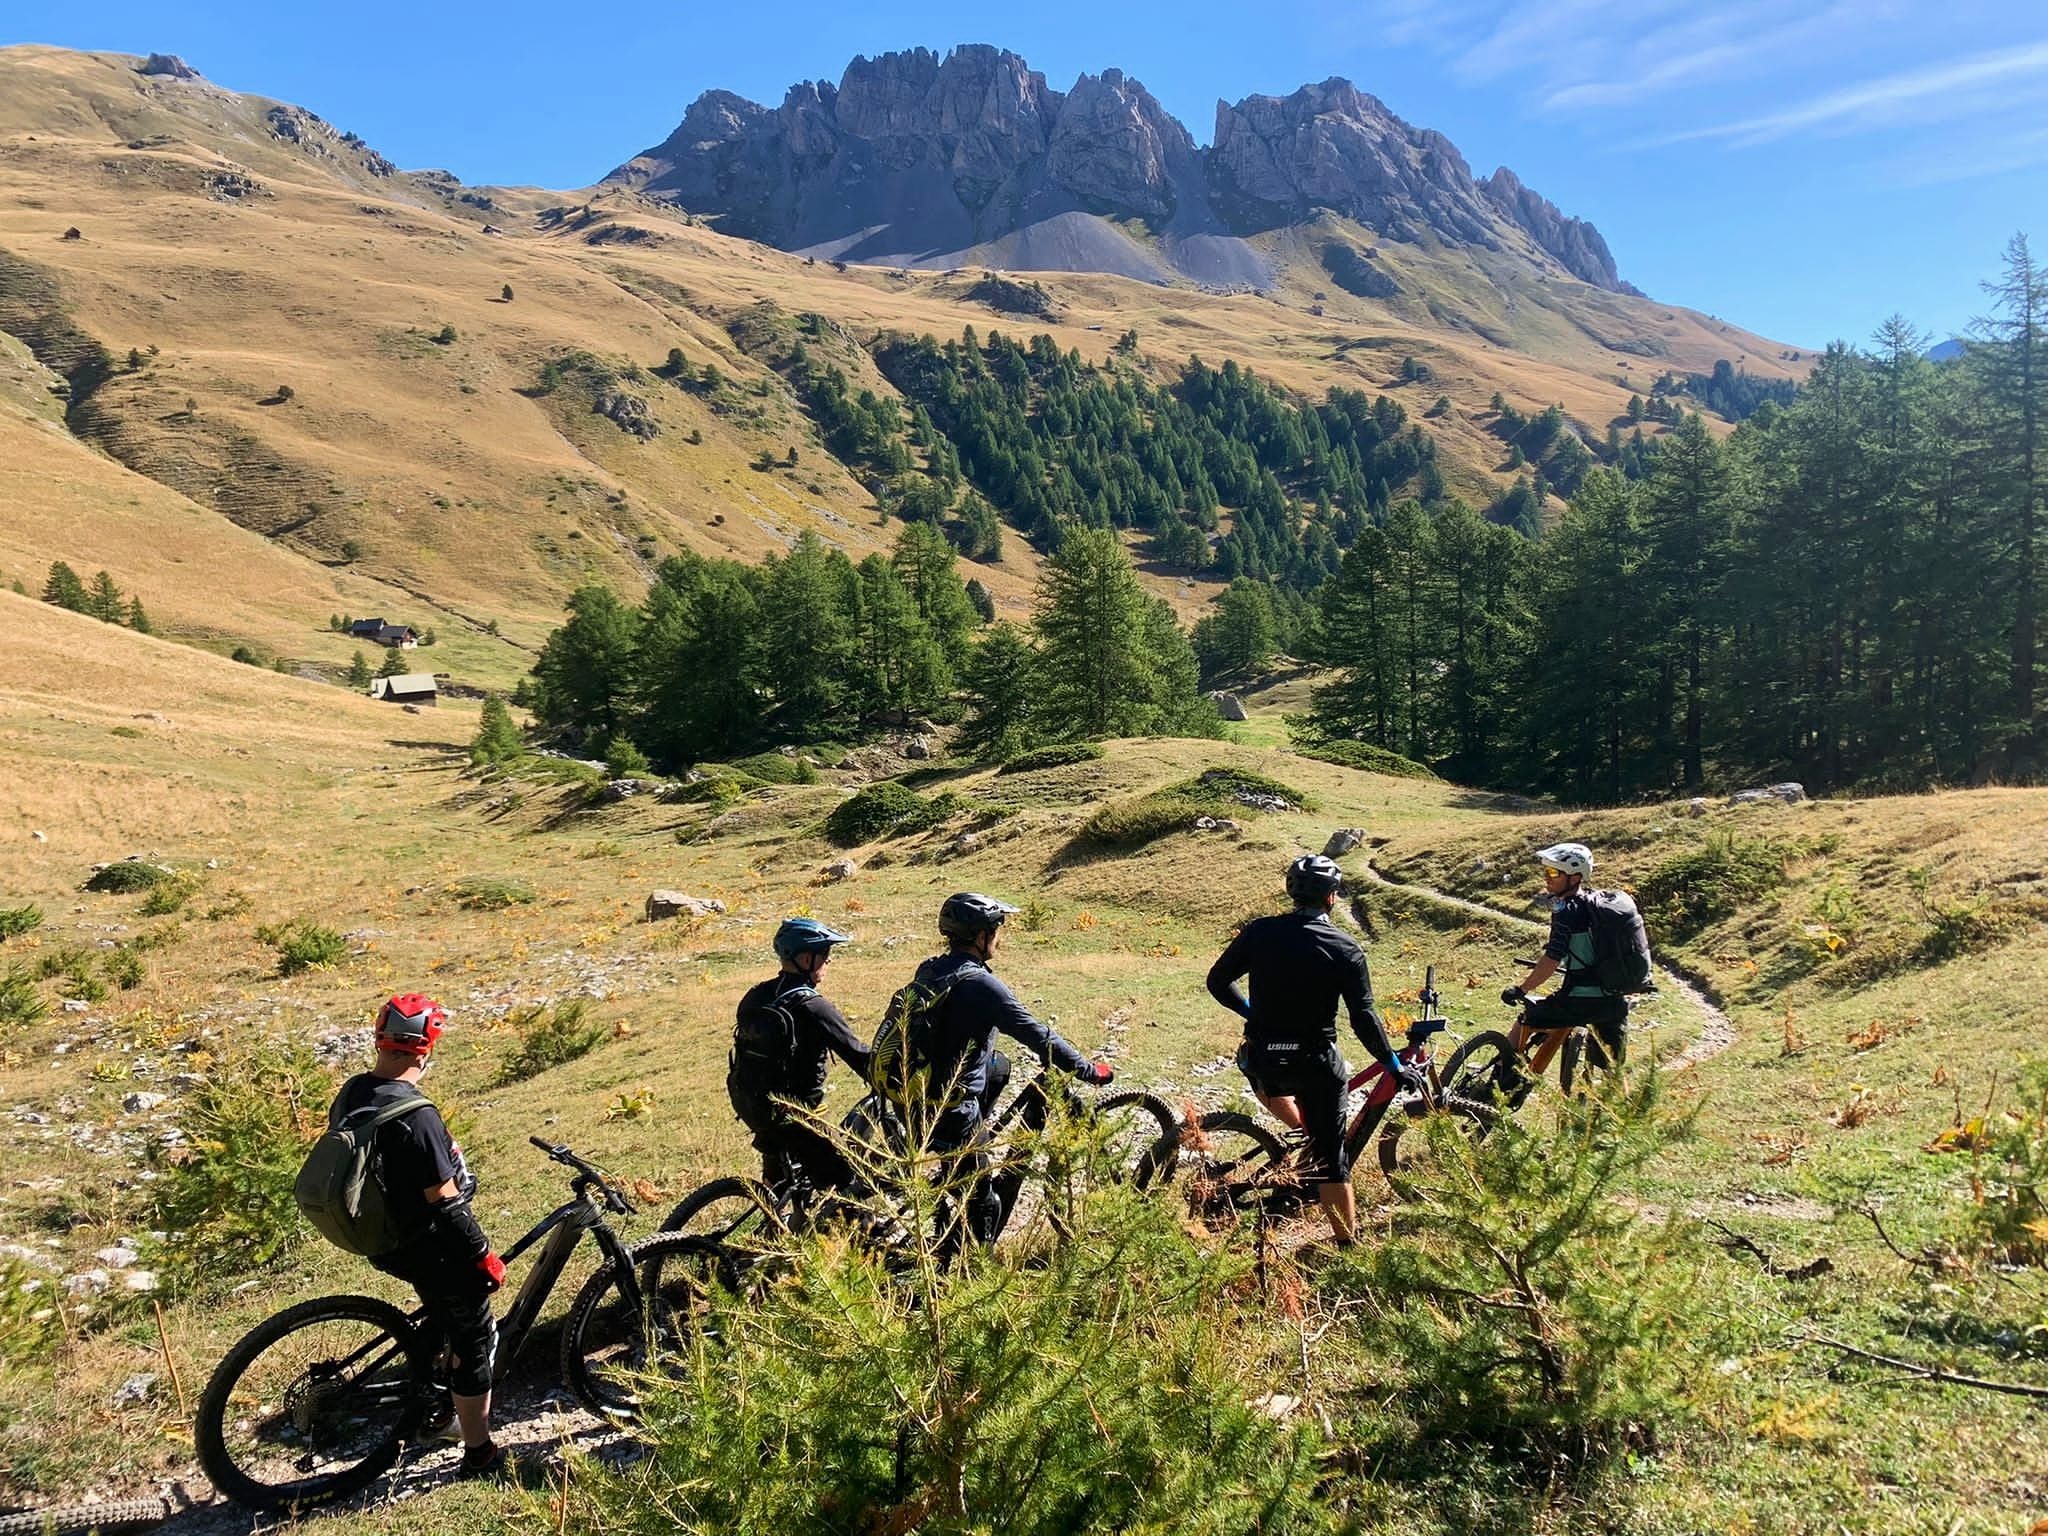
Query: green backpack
x=339 y=1189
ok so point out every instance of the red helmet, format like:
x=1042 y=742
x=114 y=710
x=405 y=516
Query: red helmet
x=410 y=1022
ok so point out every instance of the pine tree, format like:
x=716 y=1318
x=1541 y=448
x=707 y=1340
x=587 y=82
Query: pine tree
x=359 y=671
x=903 y=668
x=583 y=676
x=65 y=589
x=2015 y=370
x=137 y=619
x=103 y=599
x=1001 y=689
x=984 y=602
x=393 y=664
x=497 y=740
x=1090 y=618
x=1687 y=517
x=696 y=677
x=925 y=563
x=806 y=638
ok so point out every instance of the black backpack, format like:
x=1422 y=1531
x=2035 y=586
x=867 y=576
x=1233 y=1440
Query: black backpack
x=1621 y=947
x=764 y=1041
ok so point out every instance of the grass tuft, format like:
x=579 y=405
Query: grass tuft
x=549 y=1037
x=303 y=945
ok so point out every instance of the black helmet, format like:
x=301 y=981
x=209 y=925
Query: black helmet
x=1312 y=877
x=968 y=915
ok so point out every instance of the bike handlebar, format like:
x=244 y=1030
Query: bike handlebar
x=588 y=1174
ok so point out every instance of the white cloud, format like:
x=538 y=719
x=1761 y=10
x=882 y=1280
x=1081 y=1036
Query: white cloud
x=1880 y=101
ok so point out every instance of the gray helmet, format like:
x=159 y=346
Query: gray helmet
x=969 y=915
x=800 y=934
x=1311 y=878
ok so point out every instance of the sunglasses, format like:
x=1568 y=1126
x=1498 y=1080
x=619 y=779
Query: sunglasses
x=1551 y=870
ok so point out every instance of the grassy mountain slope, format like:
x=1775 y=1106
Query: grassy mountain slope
x=259 y=250
x=283 y=801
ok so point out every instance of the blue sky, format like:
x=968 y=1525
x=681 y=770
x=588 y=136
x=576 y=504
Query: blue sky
x=1801 y=167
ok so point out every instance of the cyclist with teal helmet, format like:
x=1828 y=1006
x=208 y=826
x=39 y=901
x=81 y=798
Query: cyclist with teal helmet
x=784 y=1037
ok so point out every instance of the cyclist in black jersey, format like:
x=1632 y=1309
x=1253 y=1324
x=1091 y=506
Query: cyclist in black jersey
x=785 y=1035
x=1301 y=965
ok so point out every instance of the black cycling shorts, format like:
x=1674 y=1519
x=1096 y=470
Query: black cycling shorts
x=458 y=1302
x=1606 y=1018
x=1314 y=1077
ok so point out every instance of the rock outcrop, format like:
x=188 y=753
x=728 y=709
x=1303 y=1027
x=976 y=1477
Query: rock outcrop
x=917 y=160
x=167 y=64
x=1577 y=245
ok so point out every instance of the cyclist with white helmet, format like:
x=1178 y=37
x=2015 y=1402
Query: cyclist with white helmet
x=784 y=1037
x=1570 y=951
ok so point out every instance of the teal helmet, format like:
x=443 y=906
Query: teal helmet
x=798 y=935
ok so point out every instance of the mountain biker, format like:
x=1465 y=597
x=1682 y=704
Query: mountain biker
x=956 y=1046
x=784 y=1037
x=1301 y=964
x=1570 y=949
x=427 y=1186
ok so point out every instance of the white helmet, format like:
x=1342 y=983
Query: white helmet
x=1572 y=858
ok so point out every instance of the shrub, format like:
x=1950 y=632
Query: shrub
x=1690 y=891
x=80 y=985
x=548 y=1037
x=886 y=809
x=1366 y=758
x=1142 y=818
x=30 y=1327
x=488 y=893
x=774 y=768
x=66 y=957
x=1053 y=757
x=21 y=1000
x=124 y=968
x=623 y=760
x=128 y=876
x=224 y=1195
x=1102 y=1386
x=302 y=945
x=14 y=920
x=2009 y=1180
x=168 y=896
x=1528 y=1301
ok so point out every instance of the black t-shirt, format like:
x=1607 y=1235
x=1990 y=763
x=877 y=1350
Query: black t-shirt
x=1301 y=964
x=415 y=1153
x=821 y=1033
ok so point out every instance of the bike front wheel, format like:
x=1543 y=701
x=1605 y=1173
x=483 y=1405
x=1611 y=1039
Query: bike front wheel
x=1139 y=1134
x=737 y=1212
x=619 y=1337
x=1475 y=1069
x=1411 y=1156
x=313 y=1404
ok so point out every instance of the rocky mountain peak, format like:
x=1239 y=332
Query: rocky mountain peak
x=1577 y=245
x=920 y=159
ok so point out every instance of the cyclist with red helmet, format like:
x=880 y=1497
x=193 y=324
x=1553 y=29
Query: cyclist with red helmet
x=427 y=1186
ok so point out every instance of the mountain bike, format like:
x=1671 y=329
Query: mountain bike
x=318 y=1401
x=1232 y=1162
x=742 y=1213
x=1488 y=1066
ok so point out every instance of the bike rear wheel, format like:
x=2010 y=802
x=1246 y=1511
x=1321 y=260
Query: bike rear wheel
x=611 y=1346
x=1226 y=1162
x=1409 y=1155
x=313 y=1404
x=1139 y=1133
x=738 y=1212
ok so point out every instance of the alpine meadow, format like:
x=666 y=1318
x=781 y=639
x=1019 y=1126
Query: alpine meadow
x=778 y=673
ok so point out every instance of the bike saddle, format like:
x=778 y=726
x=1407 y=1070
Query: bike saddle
x=1422 y=1029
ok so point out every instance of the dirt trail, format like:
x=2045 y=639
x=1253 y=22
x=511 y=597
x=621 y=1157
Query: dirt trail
x=1717 y=1032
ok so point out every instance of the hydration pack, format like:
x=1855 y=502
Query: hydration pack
x=764 y=1041
x=1621 y=947
x=340 y=1188
x=902 y=1044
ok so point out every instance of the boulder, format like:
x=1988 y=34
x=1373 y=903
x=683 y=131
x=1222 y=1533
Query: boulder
x=839 y=869
x=625 y=789
x=918 y=748
x=138 y=1388
x=1229 y=706
x=1696 y=806
x=168 y=64
x=666 y=904
x=966 y=842
x=141 y=1103
x=1342 y=841
x=1786 y=794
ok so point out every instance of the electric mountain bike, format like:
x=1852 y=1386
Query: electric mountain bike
x=318 y=1401
x=1230 y=1161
